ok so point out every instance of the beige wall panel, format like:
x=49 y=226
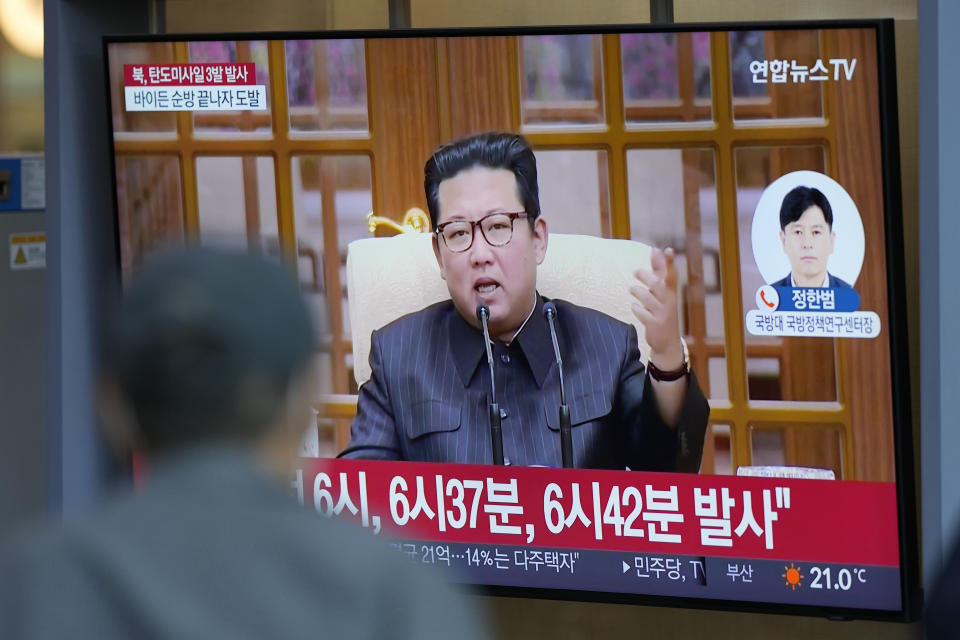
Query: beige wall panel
x=357 y=14
x=495 y=13
x=726 y=10
x=191 y=16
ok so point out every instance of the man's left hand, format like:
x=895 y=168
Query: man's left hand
x=656 y=308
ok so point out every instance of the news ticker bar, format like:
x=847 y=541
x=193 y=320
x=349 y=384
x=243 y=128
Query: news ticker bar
x=748 y=579
x=670 y=514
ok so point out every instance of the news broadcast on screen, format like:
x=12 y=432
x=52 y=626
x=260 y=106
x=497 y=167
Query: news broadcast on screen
x=606 y=313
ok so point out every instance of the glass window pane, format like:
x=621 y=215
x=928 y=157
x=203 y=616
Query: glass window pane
x=122 y=53
x=325 y=426
x=574 y=191
x=236 y=202
x=666 y=77
x=767 y=447
x=720 y=444
x=798 y=445
x=649 y=66
x=717 y=372
x=255 y=51
x=820 y=447
x=763 y=378
x=561 y=79
x=712 y=296
x=657 y=180
x=326 y=85
x=807 y=370
x=745 y=47
x=338 y=190
x=772 y=74
x=150 y=207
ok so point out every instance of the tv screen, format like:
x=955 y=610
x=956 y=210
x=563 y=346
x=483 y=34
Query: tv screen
x=763 y=155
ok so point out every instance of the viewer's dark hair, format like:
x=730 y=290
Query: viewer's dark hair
x=493 y=150
x=204 y=346
x=799 y=200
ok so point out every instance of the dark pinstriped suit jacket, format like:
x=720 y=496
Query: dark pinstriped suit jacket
x=427 y=396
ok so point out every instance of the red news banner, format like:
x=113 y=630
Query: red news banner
x=198 y=74
x=193 y=87
x=825 y=521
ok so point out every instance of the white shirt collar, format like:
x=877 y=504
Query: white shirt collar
x=517 y=332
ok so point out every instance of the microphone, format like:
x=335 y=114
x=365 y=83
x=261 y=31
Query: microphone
x=496 y=433
x=566 y=437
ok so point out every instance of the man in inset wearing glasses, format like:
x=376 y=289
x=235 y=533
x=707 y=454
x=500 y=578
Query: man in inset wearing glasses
x=427 y=397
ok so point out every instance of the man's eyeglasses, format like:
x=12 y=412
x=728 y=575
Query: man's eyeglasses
x=497 y=230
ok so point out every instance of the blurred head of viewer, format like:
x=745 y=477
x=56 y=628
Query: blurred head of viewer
x=806 y=234
x=208 y=347
x=488 y=234
x=206 y=371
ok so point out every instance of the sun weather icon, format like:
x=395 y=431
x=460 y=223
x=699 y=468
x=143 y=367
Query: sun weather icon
x=792 y=576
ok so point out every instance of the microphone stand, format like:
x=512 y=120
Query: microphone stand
x=496 y=433
x=566 y=437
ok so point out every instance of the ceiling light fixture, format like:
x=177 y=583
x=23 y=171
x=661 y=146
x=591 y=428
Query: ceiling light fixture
x=21 y=22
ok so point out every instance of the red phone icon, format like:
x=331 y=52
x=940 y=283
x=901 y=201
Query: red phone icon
x=765 y=301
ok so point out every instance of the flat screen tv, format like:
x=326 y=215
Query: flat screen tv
x=765 y=155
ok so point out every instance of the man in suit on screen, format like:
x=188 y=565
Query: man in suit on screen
x=807 y=237
x=427 y=397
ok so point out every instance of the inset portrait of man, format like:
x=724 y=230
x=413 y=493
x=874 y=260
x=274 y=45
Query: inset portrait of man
x=806 y=232
x=807 y=237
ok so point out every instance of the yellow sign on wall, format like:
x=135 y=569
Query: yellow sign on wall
x=28 y=251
